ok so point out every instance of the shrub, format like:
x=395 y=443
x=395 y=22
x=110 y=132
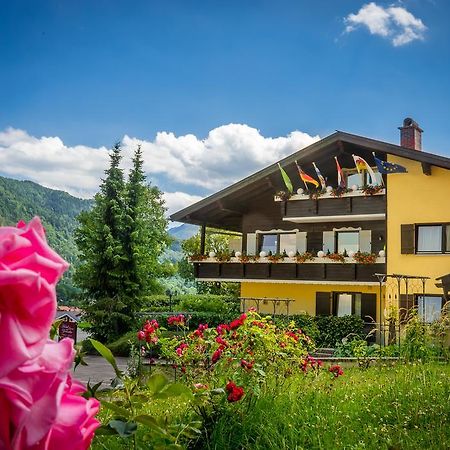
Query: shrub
x=122 y=346
x=333 y=329
x=208 y=303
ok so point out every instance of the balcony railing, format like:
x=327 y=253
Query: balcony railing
x=351 y=205
x=288 y=269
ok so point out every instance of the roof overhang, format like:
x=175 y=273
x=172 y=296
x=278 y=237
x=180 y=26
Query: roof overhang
x=225 y=208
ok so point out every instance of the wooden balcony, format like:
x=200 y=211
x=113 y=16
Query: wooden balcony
x=352 y=206
x=299 y=272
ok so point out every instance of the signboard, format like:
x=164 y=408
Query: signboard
x=68 y=330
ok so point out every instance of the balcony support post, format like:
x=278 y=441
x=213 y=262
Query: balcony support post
x=202 y=238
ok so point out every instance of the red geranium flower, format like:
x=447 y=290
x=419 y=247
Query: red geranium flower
x=235 y=393
x=336 y=370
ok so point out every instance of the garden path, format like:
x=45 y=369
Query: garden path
x=98 y=370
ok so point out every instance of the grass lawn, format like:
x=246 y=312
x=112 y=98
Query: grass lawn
x=396 y=407
x=405 y=406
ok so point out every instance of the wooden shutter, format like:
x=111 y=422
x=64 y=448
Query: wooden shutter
x=251 y=243
x=406 y=304
x=369 y=307
x=301 y=241
x=407 y=239
x=328 y=241
x=365 y=241
x=323 y=303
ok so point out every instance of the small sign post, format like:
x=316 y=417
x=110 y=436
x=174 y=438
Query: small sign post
x=68 y=329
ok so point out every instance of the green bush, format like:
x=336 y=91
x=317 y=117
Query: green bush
x=333 y=329
x=122 y=346
x=208 y=303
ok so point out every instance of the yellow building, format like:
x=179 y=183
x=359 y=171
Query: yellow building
x=375 y=243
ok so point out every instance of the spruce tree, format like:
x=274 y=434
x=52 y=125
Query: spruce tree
x=99 y=240
x=120 y=241
x=146 y=234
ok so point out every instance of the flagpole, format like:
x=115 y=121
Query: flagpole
x=300 y=175
x=381 y=175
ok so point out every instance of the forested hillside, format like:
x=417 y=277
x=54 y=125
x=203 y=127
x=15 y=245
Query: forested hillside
x=22 y=200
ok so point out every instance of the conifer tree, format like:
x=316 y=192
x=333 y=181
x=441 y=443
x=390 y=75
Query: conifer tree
x=99 y=240
x=120 y=241
x=146 y=234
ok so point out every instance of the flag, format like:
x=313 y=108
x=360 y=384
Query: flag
x=305 y=177
x=361 y=164
x=320 y=177
x=340 y=175
x=286 y=179
x=387 y=167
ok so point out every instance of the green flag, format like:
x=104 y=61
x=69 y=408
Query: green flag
x=286 y=179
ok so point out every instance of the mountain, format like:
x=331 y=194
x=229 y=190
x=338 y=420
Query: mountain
x=184 y=231
x=22 y=200
x=179 y=233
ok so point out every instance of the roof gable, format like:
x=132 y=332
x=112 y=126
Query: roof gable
x=224 y=208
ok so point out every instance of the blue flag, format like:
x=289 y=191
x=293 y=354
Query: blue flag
x=387 y=167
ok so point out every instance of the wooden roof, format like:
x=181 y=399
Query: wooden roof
x=225 y=208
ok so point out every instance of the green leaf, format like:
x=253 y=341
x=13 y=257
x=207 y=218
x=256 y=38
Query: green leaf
x=105 y=430
x=106 y=353
x=156 y=383
x=124 y=429
x=218 y=391
x=176 y=389
x=55 y=328
x=117 y=409
x=150 y=422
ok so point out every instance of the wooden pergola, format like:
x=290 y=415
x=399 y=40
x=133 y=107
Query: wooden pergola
x=248 y=302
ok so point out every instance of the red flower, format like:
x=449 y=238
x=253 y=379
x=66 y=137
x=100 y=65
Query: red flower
x=235 y=393
x=235 y=324
x=222 y=328
x=179 y=320
x=216 y=355
x=247 y=365
x=336 y=370
x=141 y=335
x=220 y=340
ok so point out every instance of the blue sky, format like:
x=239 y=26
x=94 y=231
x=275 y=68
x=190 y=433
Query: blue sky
x=87 y=73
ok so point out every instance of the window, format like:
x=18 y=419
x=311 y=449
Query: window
x=344 y=305
x=269 y=243
x=277 y=243
x=429 y=307
x=288 y=243
x=433 y=238
x=347 y=241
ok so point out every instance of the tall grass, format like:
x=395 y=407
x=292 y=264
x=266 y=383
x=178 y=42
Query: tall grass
x=400 y=407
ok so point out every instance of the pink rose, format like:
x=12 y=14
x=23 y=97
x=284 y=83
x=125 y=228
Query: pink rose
x=75 y=423
x=39 y=401
x=32 y=393
x=29 y=271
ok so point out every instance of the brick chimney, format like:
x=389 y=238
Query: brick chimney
x=411 y=135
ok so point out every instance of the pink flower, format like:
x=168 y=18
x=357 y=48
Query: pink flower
x=33 y=396
x=75 y=423
x=29 y=271
x=141 y=335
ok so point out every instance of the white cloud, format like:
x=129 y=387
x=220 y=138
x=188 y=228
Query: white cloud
x=394 y=23
x=227 y=154
x=179 y=200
